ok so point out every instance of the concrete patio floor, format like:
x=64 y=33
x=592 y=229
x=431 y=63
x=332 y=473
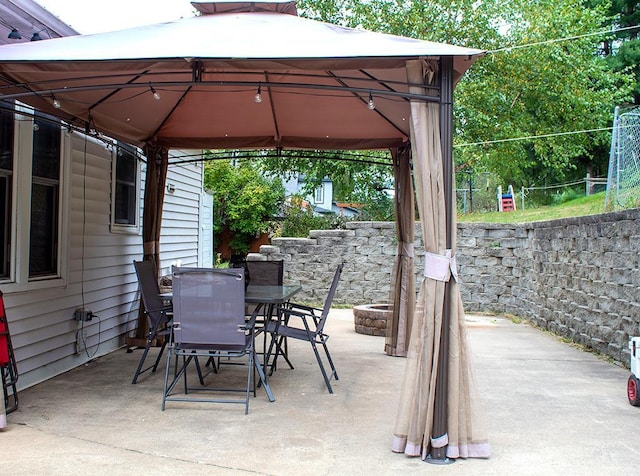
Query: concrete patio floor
x=550 y=408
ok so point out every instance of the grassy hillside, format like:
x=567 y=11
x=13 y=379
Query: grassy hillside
x=591 y=205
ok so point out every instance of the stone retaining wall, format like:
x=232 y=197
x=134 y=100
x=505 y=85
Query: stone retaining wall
x=577 y=277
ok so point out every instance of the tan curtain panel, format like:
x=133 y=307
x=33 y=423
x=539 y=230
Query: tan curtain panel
x=403 y=281
x=466 y=435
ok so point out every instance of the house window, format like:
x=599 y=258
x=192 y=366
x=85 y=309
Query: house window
x=125 y=211
x=319 y=194
x=33 y=199
x=45 y=197
x=7 y=118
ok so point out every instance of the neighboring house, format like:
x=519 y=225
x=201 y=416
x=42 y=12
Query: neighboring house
x=347 y=210
x=321 y=200
x=70 y=227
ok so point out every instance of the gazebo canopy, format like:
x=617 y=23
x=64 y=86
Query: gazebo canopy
x=315 y=80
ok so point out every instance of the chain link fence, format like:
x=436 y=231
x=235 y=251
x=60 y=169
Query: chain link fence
x=623 y=181
x=486 y=199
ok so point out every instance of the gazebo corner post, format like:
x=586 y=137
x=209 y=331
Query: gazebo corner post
x=155 y=182
x=438 y=448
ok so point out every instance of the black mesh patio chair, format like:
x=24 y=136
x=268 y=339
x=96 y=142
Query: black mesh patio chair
x=158 y=314
x=264 y=273
x=305 y=323
x=209 y=321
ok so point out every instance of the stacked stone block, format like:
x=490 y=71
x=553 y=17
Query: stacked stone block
x=577 y=277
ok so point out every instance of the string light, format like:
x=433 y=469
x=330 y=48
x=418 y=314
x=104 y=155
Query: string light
x=371 y=105
x=56 y=103
x=14 y=34
x=156 y=96
x=258 y=97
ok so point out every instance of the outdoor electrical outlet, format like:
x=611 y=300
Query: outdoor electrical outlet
x=81 y=314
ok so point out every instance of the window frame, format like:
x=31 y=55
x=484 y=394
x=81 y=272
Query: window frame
x=125 y=227
x=8 y=175
x=48 y=182
x=19 y=279
x=318 y=194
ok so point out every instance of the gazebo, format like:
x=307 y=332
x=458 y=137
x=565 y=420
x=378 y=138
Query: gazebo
x=254 y=75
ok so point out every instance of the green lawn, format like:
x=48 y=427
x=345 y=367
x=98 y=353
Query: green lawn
x=591 y=205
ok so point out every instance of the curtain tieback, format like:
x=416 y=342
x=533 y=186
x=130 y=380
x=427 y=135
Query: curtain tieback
x=440 y=441
x=406 y=249
x=440 y=267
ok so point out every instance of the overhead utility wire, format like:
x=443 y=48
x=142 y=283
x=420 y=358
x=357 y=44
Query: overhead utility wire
x=556 y=40
x=541 y=136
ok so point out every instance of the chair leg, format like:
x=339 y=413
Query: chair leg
x=200 y=377
x=166 y=378
x=141 y=363
x=277 y=343
x=250 y=366
x=155 y=366
x=321 y=365
x=333 y=367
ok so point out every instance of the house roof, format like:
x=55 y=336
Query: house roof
x=27 y=18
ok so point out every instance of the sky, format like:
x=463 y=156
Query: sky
x=97 y=16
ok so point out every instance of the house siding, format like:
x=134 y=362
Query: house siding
x=181 y=215
x=96 y=264
x=43 y=330
x=100 y=274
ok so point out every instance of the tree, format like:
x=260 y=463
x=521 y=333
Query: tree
x=542 y=90
x=244 y=201
x=558 y=87
x=622 y=49
x=360 y=177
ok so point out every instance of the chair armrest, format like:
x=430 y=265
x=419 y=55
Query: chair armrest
x=306 y=314
x=164 y=309
x=302 y=307
x=302 y=313
x=299 y=309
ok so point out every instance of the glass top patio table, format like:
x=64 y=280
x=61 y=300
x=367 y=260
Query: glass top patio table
x=270 y=294
x=260 y=294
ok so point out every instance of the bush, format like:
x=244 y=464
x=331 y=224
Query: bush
x=244 y=202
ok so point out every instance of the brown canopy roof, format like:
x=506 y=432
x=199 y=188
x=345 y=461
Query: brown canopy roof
x=315 y=80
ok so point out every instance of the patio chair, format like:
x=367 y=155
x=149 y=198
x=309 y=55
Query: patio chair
x=305 y=323
x=264 y=273
x=209 y=321
x=158 y=314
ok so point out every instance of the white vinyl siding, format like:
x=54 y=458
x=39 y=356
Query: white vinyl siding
x=100 y=278
x=100 y=274
x=179 y=237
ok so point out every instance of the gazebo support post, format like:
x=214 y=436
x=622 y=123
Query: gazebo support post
x=155 y=182
x=439 y=455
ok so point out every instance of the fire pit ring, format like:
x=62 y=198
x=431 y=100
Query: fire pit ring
x=371 y=319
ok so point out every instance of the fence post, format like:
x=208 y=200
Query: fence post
x=588 y=184
x=522 y=196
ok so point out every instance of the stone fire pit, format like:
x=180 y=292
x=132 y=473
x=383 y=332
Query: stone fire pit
x=371 y=319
